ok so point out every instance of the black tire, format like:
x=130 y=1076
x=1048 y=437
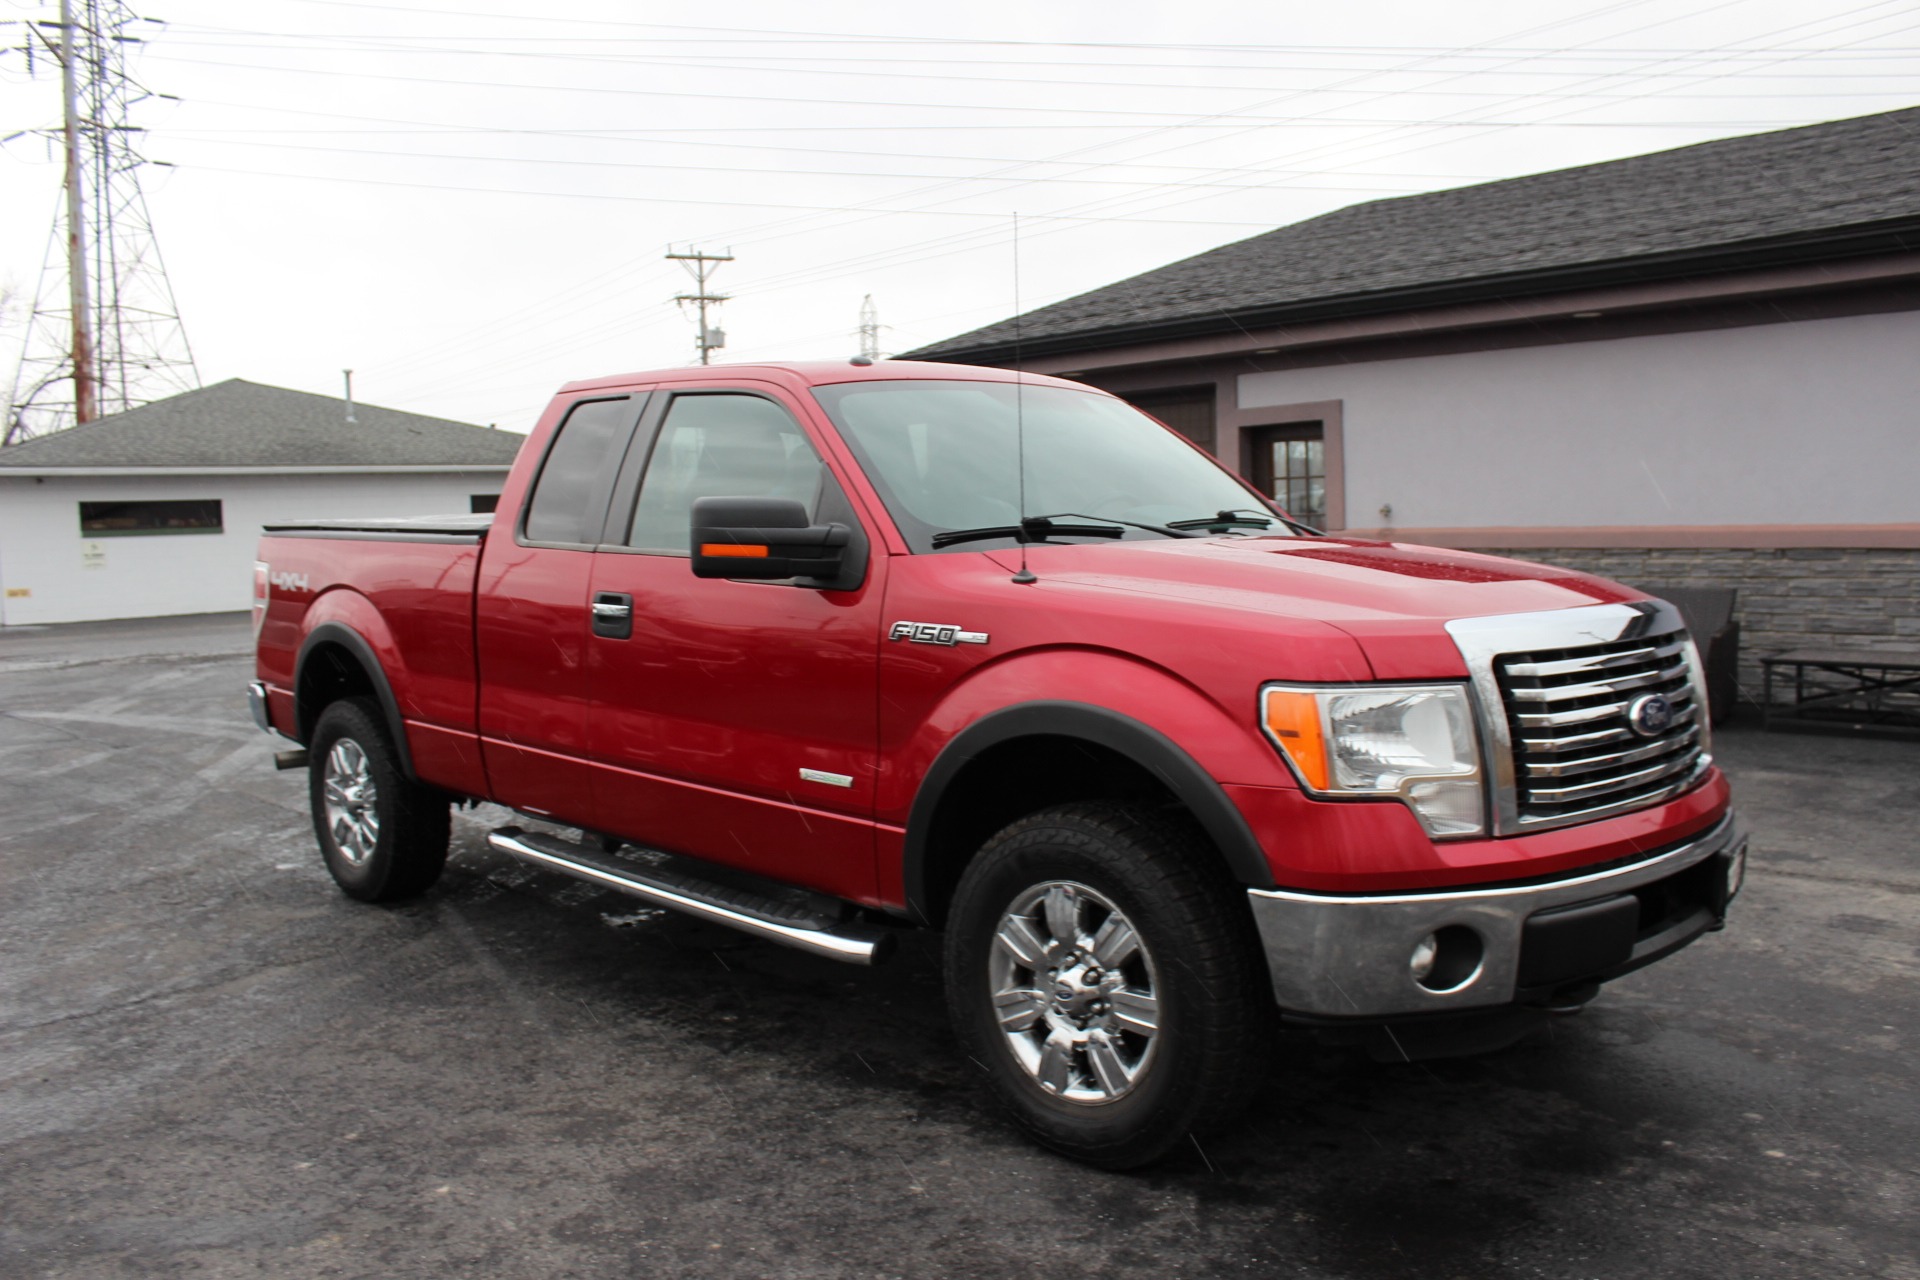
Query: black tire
x=1199 y=964
x=402 y=851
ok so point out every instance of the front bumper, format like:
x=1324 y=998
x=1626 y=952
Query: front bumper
x=1349 y=956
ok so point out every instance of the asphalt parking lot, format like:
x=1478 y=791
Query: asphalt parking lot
x=213 y=1064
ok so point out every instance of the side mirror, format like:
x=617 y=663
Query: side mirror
x=767 y=538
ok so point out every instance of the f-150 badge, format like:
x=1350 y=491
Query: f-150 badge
x=934 y=633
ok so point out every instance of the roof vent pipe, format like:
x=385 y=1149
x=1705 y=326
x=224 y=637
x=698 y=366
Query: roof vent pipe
x=349 y=373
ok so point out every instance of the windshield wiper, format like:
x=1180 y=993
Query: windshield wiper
x=1166 y=530
x=1031 y=529
x=1237 y=518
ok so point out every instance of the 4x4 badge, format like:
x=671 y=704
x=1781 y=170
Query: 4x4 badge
x=934 y=633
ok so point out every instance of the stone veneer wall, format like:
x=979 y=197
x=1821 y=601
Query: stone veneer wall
x=1803 y=598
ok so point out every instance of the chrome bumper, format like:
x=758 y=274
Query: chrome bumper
x=1339 y=956
x=257 y=704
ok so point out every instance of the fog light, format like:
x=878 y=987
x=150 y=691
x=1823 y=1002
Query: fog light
x=1425 y=952
x=1448 y=959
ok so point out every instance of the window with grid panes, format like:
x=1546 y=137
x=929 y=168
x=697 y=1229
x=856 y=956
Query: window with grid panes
x=1290 y=466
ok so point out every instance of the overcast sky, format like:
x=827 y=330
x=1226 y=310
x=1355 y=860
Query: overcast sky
x=470 y=205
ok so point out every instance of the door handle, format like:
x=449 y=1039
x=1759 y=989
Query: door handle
x=612 y=615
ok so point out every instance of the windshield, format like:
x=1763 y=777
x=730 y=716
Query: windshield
x=944 y=457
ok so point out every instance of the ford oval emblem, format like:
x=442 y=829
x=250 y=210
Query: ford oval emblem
x=1650 y=715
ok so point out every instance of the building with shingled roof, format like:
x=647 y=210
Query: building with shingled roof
x=158 y=510
x=1699 y=367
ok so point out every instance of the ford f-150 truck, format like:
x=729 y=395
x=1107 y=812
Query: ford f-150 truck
x=822 y=651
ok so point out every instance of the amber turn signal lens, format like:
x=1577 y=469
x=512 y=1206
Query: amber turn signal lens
x=1293 y=718
x=734 y=550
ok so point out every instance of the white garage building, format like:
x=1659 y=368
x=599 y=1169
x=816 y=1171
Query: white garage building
x=159 y=510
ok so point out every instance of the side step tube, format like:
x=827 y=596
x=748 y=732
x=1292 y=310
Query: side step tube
x=851 y=943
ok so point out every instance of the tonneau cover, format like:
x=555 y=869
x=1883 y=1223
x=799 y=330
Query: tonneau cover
x=459 y=526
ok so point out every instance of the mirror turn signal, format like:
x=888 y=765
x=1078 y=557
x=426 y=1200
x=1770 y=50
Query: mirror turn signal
x=767 y=539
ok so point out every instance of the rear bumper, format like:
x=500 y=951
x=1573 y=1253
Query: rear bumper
x=1348 y=956
x=257 y=704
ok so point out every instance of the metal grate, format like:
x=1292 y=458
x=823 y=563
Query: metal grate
x=1577 y=752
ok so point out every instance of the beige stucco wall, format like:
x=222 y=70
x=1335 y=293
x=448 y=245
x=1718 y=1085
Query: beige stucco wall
x=1809 y=422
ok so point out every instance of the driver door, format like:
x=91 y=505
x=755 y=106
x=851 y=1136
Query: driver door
x=734 y=721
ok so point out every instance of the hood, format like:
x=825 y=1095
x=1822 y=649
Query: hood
x=1393 y=598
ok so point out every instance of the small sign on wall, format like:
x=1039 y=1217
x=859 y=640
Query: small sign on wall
x=19 y=593
x=93 y=555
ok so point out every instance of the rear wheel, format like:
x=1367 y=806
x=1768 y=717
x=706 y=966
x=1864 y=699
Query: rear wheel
x=1104 y=969
x=383 y=835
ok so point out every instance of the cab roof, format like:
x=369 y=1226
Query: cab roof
x=820 y=373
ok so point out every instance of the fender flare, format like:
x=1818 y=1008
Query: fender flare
x=1146 y=746
x=353 y=642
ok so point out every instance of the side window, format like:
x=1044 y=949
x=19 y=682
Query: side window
x=573 y=482
x=720 y=445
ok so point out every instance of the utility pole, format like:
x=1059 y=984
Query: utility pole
x=869 y=329
x=84 y=407
x=702 y=265
x=111 y=329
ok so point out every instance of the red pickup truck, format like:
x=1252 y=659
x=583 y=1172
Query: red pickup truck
x=821 y=651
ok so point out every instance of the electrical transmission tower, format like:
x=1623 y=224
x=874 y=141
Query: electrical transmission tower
x=869 y=331
x=702 y=266
x=105 y=334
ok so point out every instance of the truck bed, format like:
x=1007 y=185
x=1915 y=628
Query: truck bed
x=393 y=596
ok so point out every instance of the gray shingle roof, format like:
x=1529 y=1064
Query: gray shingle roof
x=1849 y=186
x=246 y=424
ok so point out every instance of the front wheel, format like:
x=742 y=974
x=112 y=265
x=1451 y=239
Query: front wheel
x=383 y=835
x=1104 y=969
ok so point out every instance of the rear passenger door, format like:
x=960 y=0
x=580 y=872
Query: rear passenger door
x=734 y=721
x=531 y=614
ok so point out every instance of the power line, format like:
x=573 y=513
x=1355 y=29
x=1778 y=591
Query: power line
x=967 y=240
x=1047 y=75
x=960 y=243
x=917 y=251
x=434 y=43
x=1209 y=127
x=1112 y=204
x=691 y=200
x=759 y=170
x=1238 y=118
x=868 y=38
x=818 y=269
x=788 y=100
x=649 y=138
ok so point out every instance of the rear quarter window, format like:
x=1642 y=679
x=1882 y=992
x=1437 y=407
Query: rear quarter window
x=570 y=496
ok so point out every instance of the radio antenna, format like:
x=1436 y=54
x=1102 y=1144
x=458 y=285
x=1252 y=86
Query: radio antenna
x=1025 y=576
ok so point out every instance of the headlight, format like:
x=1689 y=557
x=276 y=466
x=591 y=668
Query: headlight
x=1412 y=742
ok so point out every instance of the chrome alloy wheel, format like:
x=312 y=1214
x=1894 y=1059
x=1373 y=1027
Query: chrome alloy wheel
x=1075 y=991
x=352 y=819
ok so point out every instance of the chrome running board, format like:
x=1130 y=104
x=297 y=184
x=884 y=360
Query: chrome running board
x=761 y=915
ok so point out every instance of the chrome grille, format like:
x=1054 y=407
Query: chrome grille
x=1575 y=753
